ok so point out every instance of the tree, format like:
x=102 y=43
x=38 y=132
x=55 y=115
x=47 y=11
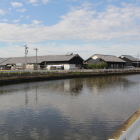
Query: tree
x=101 y=65
x=91 y=66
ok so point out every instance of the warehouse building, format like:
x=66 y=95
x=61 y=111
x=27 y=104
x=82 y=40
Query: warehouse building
x=66 y=62
x=110 y=60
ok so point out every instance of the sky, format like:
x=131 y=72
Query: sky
x=55 y=27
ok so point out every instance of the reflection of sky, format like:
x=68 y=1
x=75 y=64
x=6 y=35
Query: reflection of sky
x=82 y=108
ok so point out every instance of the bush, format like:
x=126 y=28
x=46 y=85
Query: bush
x=101 y=65
x=91 y=66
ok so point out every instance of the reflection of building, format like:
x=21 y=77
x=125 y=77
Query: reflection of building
x=130 y=61
x=67 y=85
x=110 y=60
x=73 y=86
x=70 y=61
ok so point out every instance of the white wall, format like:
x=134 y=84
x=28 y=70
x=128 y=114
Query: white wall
x=66 y=66
x=69 y=66
x=48 y=67
x=30 y=66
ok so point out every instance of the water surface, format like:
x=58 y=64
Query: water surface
x=71 y=109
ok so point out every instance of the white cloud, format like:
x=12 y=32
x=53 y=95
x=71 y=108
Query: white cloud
x=119 y=23
x=2 y=12
x=16 y=4
x=32 y=1
x=5 y=20
x=27 y=17
x=16 y=20
x=35 y=4
x=71 y=0
x=45 y=1
x=36 y=22
x=84 y=50
x=21 y=10
x=109 y=0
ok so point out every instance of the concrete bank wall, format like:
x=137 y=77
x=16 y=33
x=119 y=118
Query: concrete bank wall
x=129 y=130
x=11 y=77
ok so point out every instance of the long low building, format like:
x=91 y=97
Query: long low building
x=66 y=62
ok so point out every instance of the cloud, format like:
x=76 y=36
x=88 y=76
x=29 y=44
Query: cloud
x=2 y=12
x=82 y=23
x=45 y=1
x=16 y=4
x=109 y=0
x=36 y=22
x=85 y=50
x=16 y=20
x=5 y=20
x=21 y=10
x=35 y=4
x=32 y=1
x=27 y=17
x=71 y=0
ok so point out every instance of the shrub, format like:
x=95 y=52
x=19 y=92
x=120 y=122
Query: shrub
x=101 y=65
x=91 y=66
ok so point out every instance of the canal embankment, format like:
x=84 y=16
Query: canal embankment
x=129 y=129
x=11 y=77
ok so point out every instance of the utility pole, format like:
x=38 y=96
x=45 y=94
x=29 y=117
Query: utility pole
x=26 y=52
x=138 y=61
x=36 y=57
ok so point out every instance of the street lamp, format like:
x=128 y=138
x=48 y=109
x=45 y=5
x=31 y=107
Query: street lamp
x=36 y=57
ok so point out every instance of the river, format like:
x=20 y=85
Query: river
x=70 y=109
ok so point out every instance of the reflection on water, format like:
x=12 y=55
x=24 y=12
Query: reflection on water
x=72 y=109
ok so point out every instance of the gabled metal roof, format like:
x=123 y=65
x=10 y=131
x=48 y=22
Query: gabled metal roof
x=129 y=57
x=2 y=60
x=108 y=58
x=32 y=59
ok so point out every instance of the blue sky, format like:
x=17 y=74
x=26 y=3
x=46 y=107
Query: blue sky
x=56 y=27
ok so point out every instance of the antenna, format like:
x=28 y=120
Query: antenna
x=138 y=61
x=69 y=53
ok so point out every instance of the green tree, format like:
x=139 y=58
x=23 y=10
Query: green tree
x=101 y=65
x=91 y=66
